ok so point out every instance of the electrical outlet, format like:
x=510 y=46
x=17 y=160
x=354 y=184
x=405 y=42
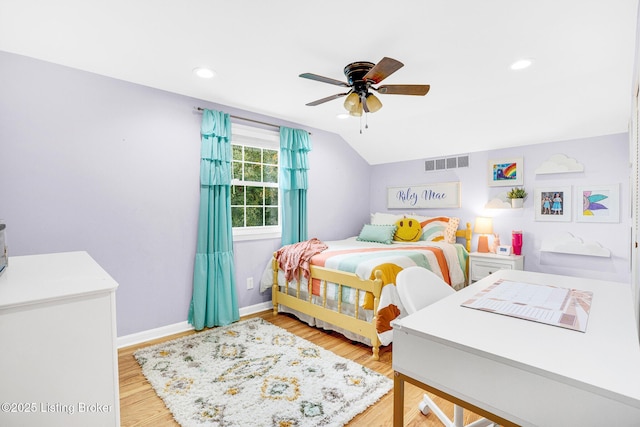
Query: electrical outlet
x=249 y=282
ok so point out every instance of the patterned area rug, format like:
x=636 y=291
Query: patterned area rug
x=253 y=373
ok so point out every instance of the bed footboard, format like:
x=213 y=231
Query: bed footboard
x=320 y=309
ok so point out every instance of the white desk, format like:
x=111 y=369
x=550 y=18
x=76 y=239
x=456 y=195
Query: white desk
x=524 y=372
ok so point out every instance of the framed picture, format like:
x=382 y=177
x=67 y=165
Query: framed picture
x=553 y=203
x=598 y=203
x=506 y=172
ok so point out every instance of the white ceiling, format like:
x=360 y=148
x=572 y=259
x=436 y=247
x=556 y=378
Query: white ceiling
x=579 y=85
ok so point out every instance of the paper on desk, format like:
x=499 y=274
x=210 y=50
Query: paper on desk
x=567 y=308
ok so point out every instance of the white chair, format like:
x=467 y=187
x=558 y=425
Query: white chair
x=417 y=288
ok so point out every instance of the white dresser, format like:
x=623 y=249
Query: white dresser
x=58 y=358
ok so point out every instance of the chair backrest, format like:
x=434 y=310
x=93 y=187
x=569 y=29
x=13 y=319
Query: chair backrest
x=418 y=287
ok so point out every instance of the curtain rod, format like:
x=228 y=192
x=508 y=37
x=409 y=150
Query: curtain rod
x=246 y=119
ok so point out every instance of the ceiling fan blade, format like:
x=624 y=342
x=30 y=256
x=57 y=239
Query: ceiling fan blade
x=318 y=78
x=382 y=70
x=419 y=90
x=328 y=98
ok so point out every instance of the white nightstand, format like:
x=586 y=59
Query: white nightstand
x=483 y=264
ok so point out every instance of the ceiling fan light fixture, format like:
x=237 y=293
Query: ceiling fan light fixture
x=352 y=101
x=373 y=103
x=357 y=110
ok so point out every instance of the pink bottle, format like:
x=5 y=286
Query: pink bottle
x=516 y=242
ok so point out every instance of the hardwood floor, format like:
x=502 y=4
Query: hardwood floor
x=140 y=406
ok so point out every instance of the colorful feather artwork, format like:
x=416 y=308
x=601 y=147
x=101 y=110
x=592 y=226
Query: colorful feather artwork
x=591 y=203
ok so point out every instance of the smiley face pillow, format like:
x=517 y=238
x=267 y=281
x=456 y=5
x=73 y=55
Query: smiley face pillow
x=407 y=230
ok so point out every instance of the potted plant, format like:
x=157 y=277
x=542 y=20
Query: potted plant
x=517 y=196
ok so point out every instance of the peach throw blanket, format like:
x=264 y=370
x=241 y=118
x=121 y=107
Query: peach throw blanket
x=296 y=256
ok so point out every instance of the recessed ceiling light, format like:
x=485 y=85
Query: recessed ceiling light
x=521 y=64
x=343 y=116
x=204 y=72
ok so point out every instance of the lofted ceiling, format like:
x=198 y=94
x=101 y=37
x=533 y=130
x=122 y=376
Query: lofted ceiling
x=579 y=85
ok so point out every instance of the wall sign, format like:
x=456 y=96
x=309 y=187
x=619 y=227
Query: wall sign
x=439 y=195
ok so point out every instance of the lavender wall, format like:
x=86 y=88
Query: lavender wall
x=96 y=164
x=605 y=160
x=108 y=167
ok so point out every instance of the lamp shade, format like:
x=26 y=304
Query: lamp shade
x=357 y=110
x=484 y=225
x=373 y=103
x=352 y=101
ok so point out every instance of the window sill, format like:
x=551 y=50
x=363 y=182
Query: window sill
x=256 y=235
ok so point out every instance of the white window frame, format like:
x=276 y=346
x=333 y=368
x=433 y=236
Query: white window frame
x=263 y=138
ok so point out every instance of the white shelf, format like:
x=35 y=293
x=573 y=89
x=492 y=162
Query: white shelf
x=567 y=243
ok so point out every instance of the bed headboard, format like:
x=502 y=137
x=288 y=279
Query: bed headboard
x=465 y=234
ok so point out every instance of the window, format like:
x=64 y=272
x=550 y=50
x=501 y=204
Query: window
x=255 y=207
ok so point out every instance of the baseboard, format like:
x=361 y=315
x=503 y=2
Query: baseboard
x=152 y=334
x=176 y=328
x=257 y=308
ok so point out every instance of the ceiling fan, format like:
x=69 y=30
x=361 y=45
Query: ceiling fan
x=361 y=77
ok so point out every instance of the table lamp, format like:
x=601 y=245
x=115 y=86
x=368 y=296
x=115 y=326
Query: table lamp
x=483 y=227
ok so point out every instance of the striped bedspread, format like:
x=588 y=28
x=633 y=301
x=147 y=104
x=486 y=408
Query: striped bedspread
x=364 y=258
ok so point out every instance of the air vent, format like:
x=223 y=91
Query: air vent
x=429 y=165
x=454 y=162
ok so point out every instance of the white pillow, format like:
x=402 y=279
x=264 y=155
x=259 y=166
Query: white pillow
x=380 y=218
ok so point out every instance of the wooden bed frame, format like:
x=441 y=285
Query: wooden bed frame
x=337 y=317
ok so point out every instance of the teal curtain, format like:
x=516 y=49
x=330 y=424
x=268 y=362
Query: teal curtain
x=214 y=301
x=295 y=145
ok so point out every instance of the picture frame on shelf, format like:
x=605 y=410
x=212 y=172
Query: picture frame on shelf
x=553 y=203
x=598 y=203
x=507 y=172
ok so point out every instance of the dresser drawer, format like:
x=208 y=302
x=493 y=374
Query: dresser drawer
x=482 y=265
x=481 y=270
